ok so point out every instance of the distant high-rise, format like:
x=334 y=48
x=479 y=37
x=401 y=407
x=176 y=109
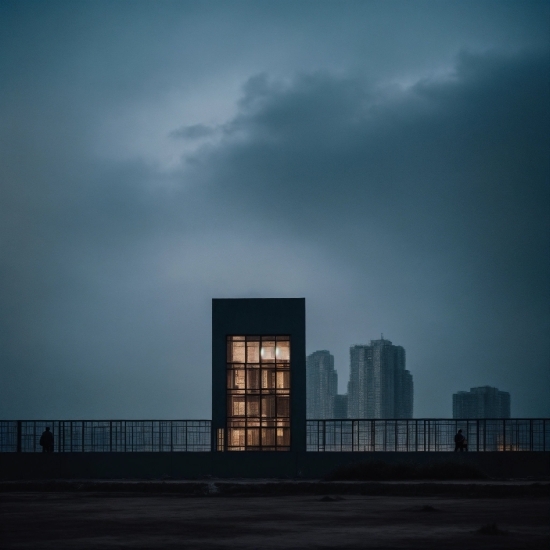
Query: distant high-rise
x=341 y=406
x=322 y=384
x=357 y=384
x=482 y=402
x=379 y=385
x=404 y=390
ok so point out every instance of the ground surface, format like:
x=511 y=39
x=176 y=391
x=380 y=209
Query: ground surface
x=127 y=520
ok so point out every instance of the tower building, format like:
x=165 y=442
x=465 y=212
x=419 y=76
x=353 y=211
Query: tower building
x=341 y=406
x=379 y=386
x=258 y=374
x=322 y=384
x=482 y=402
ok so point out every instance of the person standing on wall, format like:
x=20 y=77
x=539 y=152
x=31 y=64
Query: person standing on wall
x=46 y=441
x=460 y=442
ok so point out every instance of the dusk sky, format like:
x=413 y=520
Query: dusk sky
x=386 y=160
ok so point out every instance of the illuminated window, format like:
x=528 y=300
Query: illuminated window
x=258 y=393
x=221 y=439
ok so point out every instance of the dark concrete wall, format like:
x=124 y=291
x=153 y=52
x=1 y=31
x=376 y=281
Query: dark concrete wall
x=261 y=316
x=18 y=466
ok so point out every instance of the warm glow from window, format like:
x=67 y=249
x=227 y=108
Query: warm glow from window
x=258 y=393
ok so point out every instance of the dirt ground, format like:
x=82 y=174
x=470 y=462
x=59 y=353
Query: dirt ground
x=125 y=520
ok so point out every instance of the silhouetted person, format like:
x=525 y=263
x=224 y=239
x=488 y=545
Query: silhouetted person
x=46 y=440
x=460 y=442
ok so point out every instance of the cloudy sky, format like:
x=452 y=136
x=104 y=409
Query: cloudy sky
x=386 y=160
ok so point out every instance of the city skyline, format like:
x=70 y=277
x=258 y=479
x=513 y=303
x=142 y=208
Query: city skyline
x=379 y=385
x=388 y=161
x=322 y=376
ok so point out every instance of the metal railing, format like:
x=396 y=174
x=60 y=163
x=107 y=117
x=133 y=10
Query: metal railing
x=107 y=435
x=418 y=435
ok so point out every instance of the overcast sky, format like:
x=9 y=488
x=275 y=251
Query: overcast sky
x=386 y=160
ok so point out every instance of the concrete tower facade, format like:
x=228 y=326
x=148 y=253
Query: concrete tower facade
x=482 y=402
x=322 y=384
x=258 y=374
x=379 y=386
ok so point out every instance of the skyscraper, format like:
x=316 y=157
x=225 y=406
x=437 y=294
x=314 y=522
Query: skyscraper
x=321 y=384
x=404 y=390
x=379 y=385
x=482 y=402
x=357 y=385
x=341 y=406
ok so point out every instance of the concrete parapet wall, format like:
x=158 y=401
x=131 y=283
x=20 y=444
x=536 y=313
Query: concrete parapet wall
x=22 y=466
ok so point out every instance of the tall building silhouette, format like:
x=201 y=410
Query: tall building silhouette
x=321 y=384
x=341 y=406
x=404 y=390
x=379 y=385
x=482 y=402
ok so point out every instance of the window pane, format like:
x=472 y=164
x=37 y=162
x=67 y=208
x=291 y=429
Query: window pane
x=237 y=352
x=253 y=404
x=235 y=437
x=253 y=349
x=283 y=379
x=268 y=351
x=253 y=437
x=236 y=405
x=253 y=379
x=268 y=406
x=283 y=408
x=268 y=437
x=235 y=379
x=268 y=378
x=283 y=437
x=283 y=351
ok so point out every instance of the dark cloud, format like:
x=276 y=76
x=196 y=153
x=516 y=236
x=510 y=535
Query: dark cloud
x=438 y=193
x=401 y=189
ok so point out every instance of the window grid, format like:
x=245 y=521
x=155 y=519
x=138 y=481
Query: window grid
x=258 y=393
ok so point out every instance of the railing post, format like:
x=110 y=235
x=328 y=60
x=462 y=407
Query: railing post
x=18 y=442
x=428 y=435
